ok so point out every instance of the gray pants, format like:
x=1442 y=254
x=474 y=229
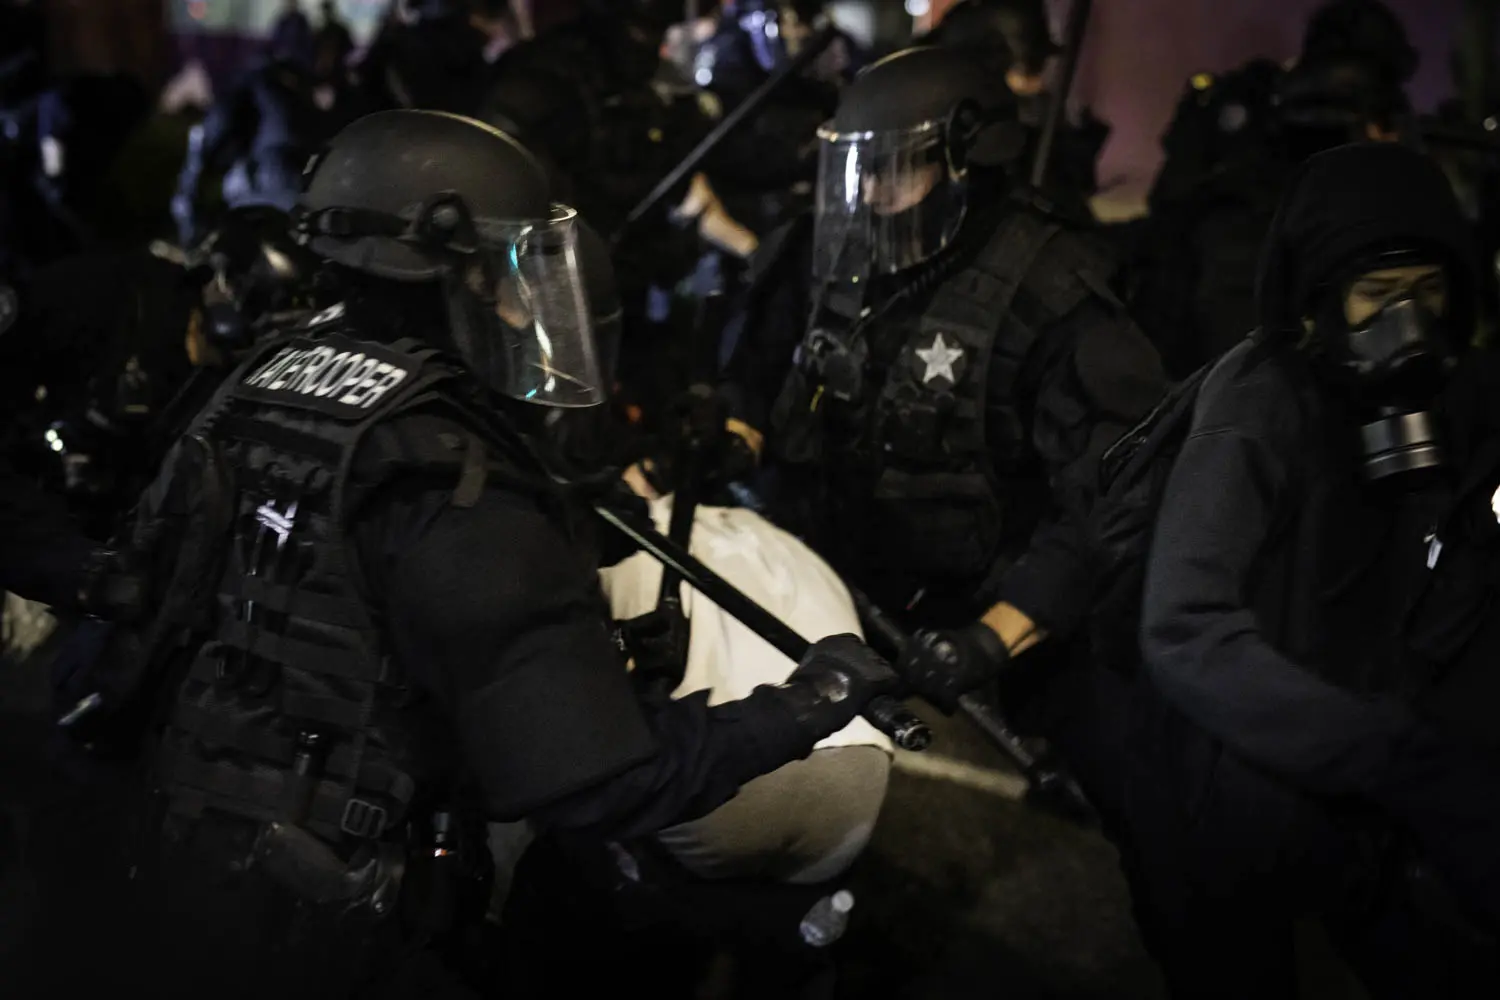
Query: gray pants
x=804 y=823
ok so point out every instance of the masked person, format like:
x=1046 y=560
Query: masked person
x=1230 y=149
x=1015 y=38
x=1316 y=620
x=393 y=633
x=935 y=432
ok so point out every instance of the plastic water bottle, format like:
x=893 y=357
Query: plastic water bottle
x=826 y=922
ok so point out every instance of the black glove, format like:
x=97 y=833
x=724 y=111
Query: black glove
x=109 y=589
x=942 y=666
x=837 y=678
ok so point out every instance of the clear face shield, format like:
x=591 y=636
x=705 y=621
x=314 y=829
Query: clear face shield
x=886 y=201
x=521 y=319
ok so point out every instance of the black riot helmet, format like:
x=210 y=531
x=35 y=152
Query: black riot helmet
x=434 y=198
x=893 y=171
x=1363 y=30
x=251 y=268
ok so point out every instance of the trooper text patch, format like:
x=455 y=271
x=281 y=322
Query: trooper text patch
x=339 y=377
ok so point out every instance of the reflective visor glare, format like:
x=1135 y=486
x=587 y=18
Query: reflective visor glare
x=544 y=307
x=885 y=202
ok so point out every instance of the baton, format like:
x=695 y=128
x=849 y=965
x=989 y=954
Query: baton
x=990 y=721
x=886 y=713
x=1078 y=22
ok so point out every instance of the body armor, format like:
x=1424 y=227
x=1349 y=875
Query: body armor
x=291 y=714
x=920 y=410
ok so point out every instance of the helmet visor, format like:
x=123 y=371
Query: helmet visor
x=886 y=201
x=531 y=285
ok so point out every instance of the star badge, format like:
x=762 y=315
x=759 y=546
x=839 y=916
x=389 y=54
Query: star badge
x=940 y=359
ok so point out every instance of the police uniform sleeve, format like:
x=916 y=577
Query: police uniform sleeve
x=1090 y=377
x=1202 y=644
x=503 y=623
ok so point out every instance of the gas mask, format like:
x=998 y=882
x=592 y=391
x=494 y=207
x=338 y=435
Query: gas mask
x=1396 y=364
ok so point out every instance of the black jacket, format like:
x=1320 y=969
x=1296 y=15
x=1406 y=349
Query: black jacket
x=1306 y=622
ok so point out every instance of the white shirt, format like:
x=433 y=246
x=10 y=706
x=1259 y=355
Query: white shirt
x=773 y=569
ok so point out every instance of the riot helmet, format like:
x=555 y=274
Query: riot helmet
x=434 y=198
x=893 y=170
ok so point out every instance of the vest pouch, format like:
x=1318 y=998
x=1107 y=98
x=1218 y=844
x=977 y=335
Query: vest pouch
x=310 y=870
x=913 y=425
x=799 y=432
x=939 y=526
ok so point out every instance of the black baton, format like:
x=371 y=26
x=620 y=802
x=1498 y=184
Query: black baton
x=887 y=714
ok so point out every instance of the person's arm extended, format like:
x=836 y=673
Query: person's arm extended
x=1092 y=378
x=504 y=620
x=1204 y=648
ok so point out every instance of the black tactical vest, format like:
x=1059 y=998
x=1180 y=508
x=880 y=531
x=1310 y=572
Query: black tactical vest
x=293 y=712
x=944 y=428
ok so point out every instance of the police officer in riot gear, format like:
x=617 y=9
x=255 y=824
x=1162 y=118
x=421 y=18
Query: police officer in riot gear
x=1312 y=622
x=397 y=636
x=966 y=362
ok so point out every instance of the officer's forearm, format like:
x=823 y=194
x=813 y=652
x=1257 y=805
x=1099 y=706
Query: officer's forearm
x=1014 y=627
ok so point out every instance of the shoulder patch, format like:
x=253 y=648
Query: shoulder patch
x=335 y=376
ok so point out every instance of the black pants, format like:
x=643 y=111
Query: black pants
x=207 y=927
x=1224 y=861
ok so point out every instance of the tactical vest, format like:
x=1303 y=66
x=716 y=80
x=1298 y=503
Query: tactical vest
x=293 y=712
x=945 y=428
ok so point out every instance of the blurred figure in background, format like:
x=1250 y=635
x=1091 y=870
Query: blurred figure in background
x=1229 y=151
x=257 y=138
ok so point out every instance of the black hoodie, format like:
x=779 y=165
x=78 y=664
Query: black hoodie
x=1278 y=587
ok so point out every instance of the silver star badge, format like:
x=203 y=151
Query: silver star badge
x=939 y=359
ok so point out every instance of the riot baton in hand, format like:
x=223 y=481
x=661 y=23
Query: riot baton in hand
x=1078 y=22
x=885 y=713
x=1055 y=785
x=752 y=103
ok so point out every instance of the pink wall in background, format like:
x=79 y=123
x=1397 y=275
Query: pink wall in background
x=1140 y=54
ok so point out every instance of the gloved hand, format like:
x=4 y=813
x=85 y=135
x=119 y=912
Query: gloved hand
x=837 y=678
x=943 y=665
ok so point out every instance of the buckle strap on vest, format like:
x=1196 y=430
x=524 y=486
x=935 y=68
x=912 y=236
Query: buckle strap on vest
x=259 y=794
x=326 y=609
x=300 y=654
x=375 y=776
x=324 y=450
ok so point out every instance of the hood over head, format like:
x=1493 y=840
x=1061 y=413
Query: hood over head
x=1346 y=207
